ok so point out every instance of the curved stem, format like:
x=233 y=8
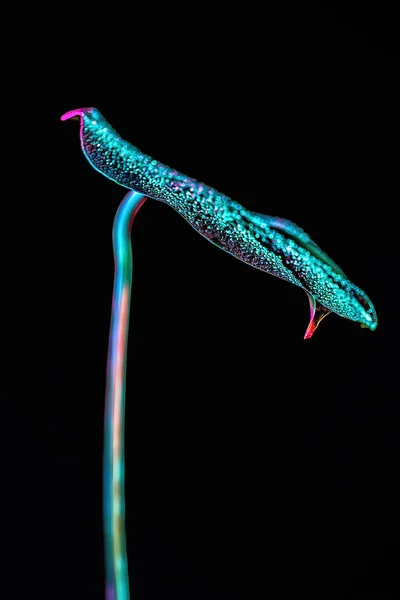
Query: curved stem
x=117 y=581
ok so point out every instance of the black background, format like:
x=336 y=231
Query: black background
x=257 y=464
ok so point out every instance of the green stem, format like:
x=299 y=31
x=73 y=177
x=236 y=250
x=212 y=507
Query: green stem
x=117 y=579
